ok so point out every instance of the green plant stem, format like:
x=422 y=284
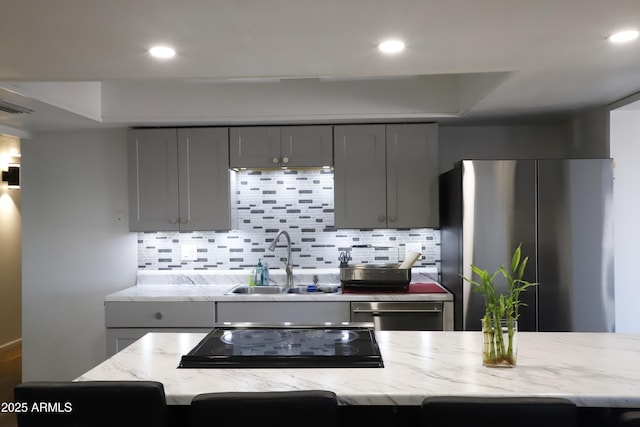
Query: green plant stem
x=497 y=328
x=511 y=333
x=489 y=348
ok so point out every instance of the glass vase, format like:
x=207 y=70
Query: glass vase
x=499 y=342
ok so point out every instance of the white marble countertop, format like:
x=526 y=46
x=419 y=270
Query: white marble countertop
x=146 y=293
x=170 y=293
x=591 y=369
x=208 y=286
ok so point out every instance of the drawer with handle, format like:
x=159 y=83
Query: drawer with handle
x=175 y=314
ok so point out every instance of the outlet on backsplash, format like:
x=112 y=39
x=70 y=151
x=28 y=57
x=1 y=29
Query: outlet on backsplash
x=412 y=247
x=189 y=252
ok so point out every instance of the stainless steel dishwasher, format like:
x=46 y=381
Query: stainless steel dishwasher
x=400 y=315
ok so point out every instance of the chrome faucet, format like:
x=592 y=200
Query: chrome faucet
x=287 y=264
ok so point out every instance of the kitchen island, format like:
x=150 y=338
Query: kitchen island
x=594 y=370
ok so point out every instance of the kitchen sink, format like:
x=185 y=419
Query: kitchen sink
x=275 y=290
x=320 y=289
x=265 y=290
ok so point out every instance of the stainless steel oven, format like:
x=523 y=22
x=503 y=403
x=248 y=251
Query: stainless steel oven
x=400 y=315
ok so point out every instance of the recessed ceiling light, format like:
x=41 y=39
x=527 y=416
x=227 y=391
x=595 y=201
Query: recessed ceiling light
x=162 y=52
x=391 y=46
x=623 y=36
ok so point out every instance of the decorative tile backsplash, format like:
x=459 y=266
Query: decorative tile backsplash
x=298 y=201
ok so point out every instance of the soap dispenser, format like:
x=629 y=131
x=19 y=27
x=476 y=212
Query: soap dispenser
x=259 y=273
x=265 y=274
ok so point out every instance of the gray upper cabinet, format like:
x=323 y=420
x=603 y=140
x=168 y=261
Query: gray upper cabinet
x=254 y=147
x=153 y=180
x=179 y=179
x=307 y=146
x=281 y=146
x=386 y=176
x=360 y=199
x=203 y=166
x=412 y=176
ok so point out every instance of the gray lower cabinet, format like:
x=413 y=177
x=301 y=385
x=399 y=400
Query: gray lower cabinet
x=301 y=312
x=281 y=146
x=128 y=321
x=386 y=176
x=179 y=179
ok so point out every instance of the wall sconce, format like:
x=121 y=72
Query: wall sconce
x=12 y=176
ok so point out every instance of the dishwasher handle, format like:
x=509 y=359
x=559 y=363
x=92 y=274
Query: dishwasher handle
x=397 y=311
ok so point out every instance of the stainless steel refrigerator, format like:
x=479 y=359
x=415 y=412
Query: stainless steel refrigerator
x=561 y=213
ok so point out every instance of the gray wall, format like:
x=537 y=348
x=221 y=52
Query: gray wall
x=585 y=136
x=74 y=250
x=590 y=134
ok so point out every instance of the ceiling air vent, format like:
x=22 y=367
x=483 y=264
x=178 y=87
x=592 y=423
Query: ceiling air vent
x=10 y=108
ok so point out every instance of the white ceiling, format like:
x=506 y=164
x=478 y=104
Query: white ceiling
x=473 y=59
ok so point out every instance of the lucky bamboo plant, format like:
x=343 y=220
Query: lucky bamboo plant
x=501 y=310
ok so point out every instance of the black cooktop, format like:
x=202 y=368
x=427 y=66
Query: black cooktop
x=286 y=347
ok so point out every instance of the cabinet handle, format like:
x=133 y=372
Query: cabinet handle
x=184 y=221
x=382 y=218
x=173 y=220
x=275 y=160
x=158 y=315
x=285 y=160
x=392 y=218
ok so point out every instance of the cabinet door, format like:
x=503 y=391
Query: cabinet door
x=119 y=339
x=359 y=176
x=153 y=180
x=307 y=146
x=412 y=176
x=203 y=159
x=255 y=147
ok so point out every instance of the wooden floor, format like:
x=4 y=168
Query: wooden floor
x=10 y=376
